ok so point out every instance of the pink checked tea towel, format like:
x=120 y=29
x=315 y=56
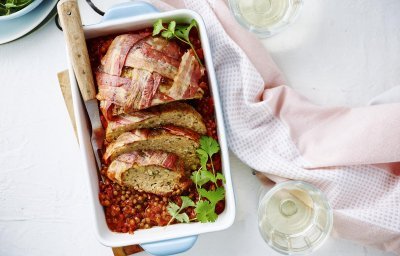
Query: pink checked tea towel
x=352 y=154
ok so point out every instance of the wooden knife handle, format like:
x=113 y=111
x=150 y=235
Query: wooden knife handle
x=71 y=23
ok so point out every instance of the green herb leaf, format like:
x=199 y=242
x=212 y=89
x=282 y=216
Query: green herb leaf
x=201 y=177
x=193 y=23
x=209 y=175
x=198 y=179
x=209 y=145
x=167 y=34
x=158 y=27
x=214 y=196
x=171 y=26
x=182 y=217
x=205 y=212
x=18 y=3
x=203 y=156
x=186 y=202
x=221 y=177
x=11 y=5
x=173 y=209
x=180 y=32
x=184 y=31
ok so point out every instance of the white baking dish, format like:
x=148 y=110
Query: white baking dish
x=130 y=17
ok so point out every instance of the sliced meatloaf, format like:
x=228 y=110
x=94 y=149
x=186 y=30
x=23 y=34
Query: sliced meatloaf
x=176 y=113
x=155 y=172
x=180 y=141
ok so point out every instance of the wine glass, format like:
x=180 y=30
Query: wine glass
x=294 y=217
x=265 y=17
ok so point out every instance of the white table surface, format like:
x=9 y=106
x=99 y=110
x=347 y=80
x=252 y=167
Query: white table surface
x=337 y=53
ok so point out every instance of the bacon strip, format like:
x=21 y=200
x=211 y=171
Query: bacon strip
x=144 y=86
x=180 y=131
x=113 y=89
x=114 y=60
x=106 y=80
x=166 y=47
x=125 y=119
x=145 y=57
x=161 y=98
x=150 y=157
x=186 y=82
x=105 y=108
x=154 y=74
x=125 y=139
x=110 y=110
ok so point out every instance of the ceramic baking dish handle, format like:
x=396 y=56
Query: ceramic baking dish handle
x=128 y=9
x=170 y=247
x=166 y=247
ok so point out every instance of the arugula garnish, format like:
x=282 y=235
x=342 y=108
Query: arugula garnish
x=8 y=7
x=208 y=199
x=180 y=32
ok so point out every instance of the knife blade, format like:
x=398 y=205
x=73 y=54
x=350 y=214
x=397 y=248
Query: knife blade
x=97 y=137
x=71 y=23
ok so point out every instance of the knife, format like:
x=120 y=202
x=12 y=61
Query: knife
x=71 y=23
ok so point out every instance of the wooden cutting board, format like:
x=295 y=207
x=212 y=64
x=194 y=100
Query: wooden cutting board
x=65 y=86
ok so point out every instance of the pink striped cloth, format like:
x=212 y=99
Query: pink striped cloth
x=352 y=154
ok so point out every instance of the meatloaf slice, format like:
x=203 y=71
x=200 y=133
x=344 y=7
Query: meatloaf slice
x=176 y=113
x=155 y=172
x=172 y=139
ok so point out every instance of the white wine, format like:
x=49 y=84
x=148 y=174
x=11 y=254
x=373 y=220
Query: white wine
x=265 y=17
x=294 y=217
